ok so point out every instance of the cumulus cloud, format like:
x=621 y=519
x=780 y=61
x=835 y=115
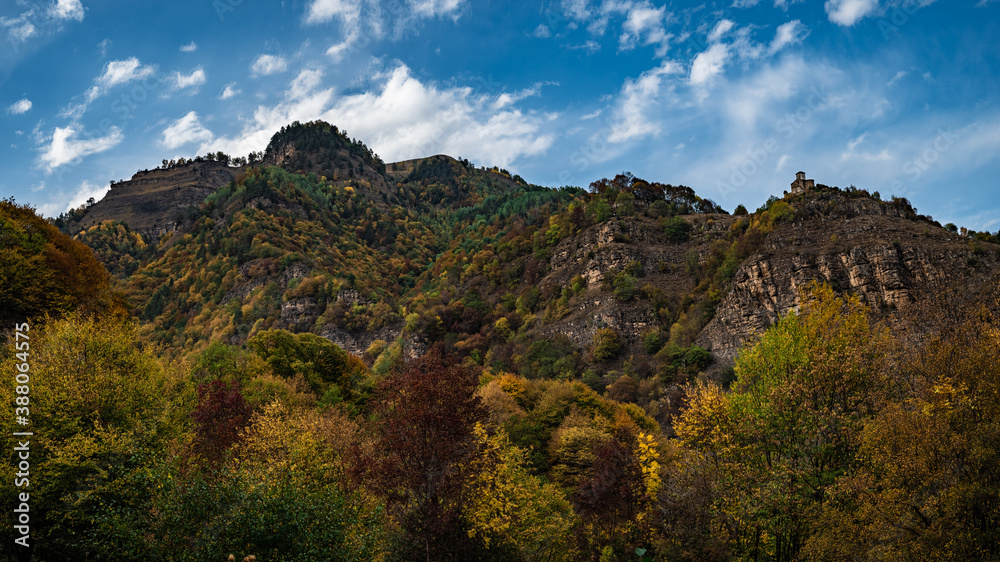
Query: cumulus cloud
x=788 y=33
x=644 y=23
x=638 y=97
x=266 y=65
x=708 y=64
x=67 y=10
x=64 y=147
x=20 y=107
x=401 y=117
x=229 y=91
x=122 y=71
x=720 y=30
x=185 y=130
x=181 y=81
x=849 y=12
x=189 y=48
x=409 y=119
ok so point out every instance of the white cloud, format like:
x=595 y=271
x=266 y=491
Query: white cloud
x=720 y=29
x=849 y=12
x=402 y=118
x=643 y=23
x=87 y=191
x=852 y=144
x=322 y=11
x=115 y=73
x=185 y=130
x=434 y=8
x=103 y=47
x=363 y=21
x=782 y=160
x=576 y=9
x=542 y=31
x=643 y=20
x=181 y=81
x=896 y=78
x=338 y=50
x=190 y=47
x=20 y=107
x=304 y=84
x=590 y=46
x=268 y=64
x=850 y=155
x=61 y=201
x=708 y=64
x=67 y=10
x=63 y=148
x=20 y=28
x=505 y=99
x=788 y=33
x=122 y=71
x=230 y=91
x=638 y=97
x=409 y=119
x=755 y=98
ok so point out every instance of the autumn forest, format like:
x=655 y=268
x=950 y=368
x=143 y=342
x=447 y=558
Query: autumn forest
x=330 y=357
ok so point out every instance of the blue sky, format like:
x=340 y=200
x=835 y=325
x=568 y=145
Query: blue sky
x=730 y=98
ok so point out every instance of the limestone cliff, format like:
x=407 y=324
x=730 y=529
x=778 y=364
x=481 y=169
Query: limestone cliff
x=154 y=202
x=859 y=246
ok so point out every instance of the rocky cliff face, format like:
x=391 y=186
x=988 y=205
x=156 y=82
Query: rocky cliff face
x=862 y=247
x=613 y=247
x=154 y=202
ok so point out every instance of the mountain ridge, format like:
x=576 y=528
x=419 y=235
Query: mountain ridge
x=392 y=259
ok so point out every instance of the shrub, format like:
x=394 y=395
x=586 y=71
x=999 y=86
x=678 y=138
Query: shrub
x=677 y=229
x=607 y=344
x=624 y=286
x=652 y=342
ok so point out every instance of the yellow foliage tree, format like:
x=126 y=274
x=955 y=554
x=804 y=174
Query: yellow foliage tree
x=508 y=507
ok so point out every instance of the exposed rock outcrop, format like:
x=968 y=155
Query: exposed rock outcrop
x=155 y=202
x=885 y=259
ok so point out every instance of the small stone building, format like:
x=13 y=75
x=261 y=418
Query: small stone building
x=801 y=184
